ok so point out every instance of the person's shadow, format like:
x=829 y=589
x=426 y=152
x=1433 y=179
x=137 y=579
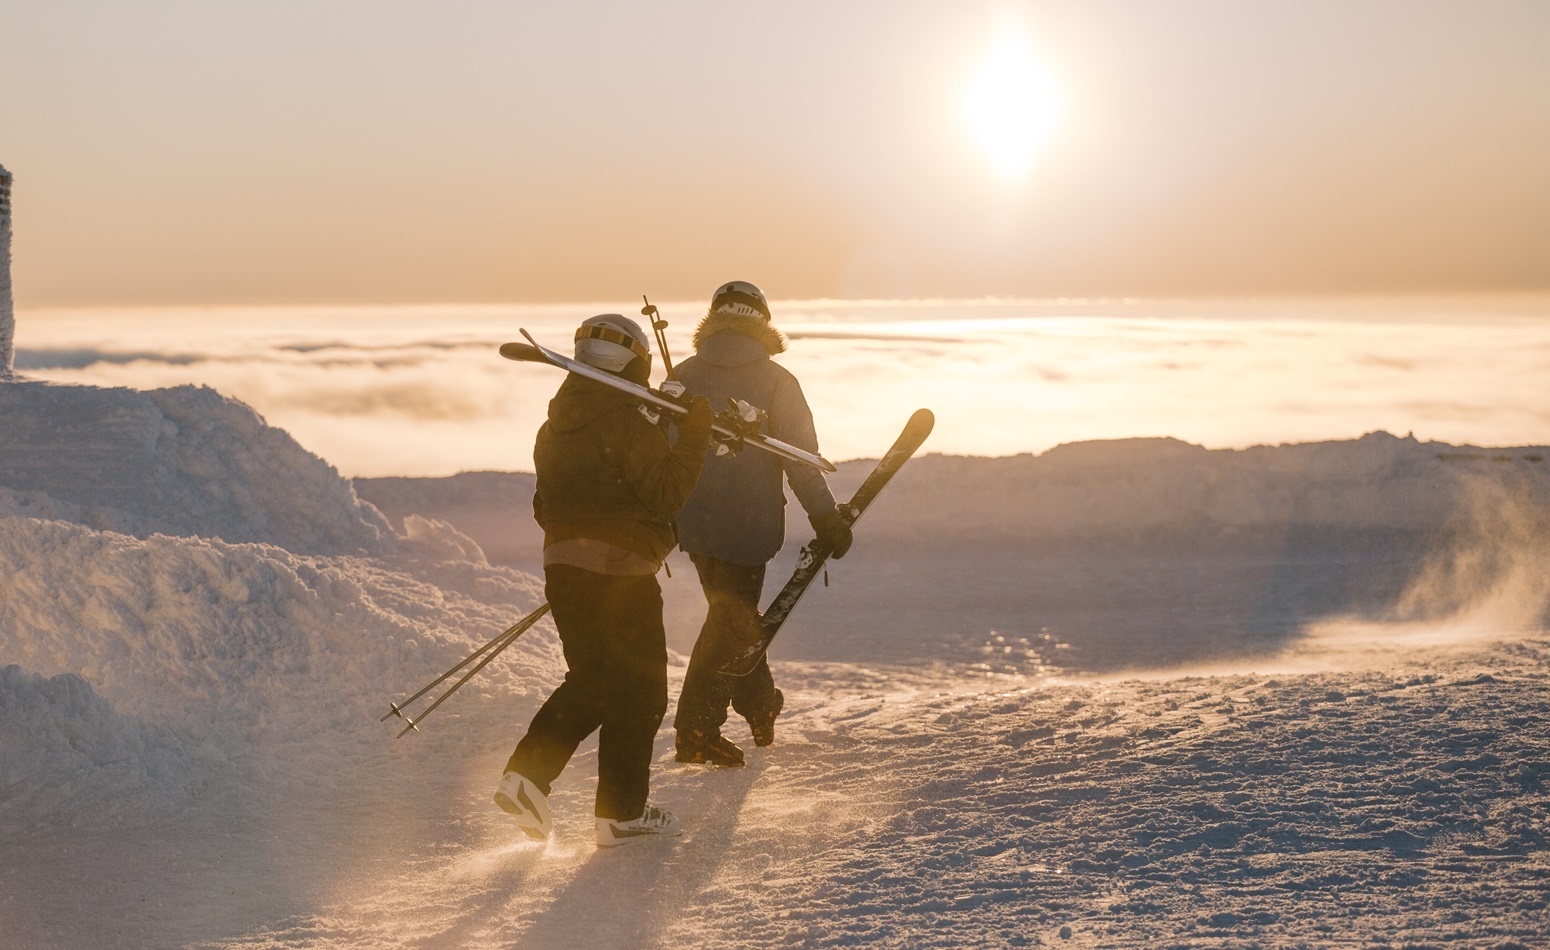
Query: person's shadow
x=622 y=896
x=625 y=896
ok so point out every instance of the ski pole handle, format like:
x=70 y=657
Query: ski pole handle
x=658 y=326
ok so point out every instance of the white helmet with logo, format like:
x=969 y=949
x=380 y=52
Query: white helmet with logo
x=610 y=341
x=739 y=298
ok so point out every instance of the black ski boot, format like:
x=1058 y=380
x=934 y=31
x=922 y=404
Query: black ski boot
x=700 y=749
x=763 y=726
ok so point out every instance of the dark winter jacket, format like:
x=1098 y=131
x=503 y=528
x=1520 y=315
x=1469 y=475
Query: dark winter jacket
x=606 y=472
x=737 y=513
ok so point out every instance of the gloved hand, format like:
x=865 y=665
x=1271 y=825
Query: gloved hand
x=696 y=423
x=673 y=388
x=834 y=531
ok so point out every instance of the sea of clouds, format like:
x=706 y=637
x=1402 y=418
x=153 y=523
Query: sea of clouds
x=422 y=391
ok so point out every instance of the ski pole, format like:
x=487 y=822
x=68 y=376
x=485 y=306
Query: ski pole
x=658 y=325
x=398 y=710
x=521 y=628
x=498 y=643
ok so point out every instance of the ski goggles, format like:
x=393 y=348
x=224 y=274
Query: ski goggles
x=619 y=337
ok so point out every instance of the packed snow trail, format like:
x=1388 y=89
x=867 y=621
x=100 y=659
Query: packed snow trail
x=899 y=809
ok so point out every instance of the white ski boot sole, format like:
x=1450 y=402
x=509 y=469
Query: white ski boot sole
x=611 y=834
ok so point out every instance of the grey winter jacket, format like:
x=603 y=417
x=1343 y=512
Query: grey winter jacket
x=737 y=511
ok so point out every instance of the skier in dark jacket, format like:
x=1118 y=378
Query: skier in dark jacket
x=608 y=486
x=734 y=522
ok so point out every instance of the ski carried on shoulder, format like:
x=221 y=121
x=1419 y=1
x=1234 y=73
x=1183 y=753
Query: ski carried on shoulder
x=731 y=428
x=815 y=554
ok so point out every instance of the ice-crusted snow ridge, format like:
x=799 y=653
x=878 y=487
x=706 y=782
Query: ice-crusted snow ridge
x=1130 y=694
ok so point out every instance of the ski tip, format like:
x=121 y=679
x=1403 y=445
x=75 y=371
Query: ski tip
x=923 y=417
x=744 y=663
x=522 y=353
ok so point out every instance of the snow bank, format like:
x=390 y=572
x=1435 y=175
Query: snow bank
x=182 y=461
x=221 y=638
x=169 y=654
x=1139 y=488
x=184 y=587
x=1130 y=489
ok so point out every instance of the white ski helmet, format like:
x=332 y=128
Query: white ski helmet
x=739 y=298
x=610 y=340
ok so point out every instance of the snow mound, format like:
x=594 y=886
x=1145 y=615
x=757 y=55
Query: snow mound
x=495 y=509
x=192 y=604
x=183 y=461
x=220 y=637
x=66 y=754
x=437 y=539
x=280 y=662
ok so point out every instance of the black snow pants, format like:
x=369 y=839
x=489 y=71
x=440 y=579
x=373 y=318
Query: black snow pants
x=733 y=593
x=616 y=655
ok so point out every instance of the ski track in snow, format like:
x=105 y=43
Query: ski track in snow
x=192 y=754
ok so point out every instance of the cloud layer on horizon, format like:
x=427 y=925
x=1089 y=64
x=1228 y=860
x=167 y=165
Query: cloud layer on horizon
x=386 y=396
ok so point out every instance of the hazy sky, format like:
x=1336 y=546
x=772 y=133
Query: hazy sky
x=385 y=151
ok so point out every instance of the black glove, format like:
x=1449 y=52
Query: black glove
x=834 y=531
x=695 y=425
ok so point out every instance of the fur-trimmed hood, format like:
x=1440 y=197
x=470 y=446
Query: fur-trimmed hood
x=773 y=340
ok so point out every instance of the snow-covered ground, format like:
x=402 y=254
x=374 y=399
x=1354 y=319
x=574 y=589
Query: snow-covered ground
x=1118 y=694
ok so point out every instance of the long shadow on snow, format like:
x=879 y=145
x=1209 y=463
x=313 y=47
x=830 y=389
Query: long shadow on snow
x=628 y=896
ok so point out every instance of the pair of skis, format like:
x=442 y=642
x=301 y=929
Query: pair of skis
x=729 y=427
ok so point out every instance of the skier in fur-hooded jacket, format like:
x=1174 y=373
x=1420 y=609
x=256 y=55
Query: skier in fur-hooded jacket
x=734 y=521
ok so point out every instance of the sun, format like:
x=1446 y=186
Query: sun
x=1010 y=105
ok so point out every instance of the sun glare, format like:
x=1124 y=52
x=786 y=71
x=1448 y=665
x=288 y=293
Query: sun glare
x=1010 y=105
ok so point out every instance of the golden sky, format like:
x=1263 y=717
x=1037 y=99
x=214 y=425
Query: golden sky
x=349 y=151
